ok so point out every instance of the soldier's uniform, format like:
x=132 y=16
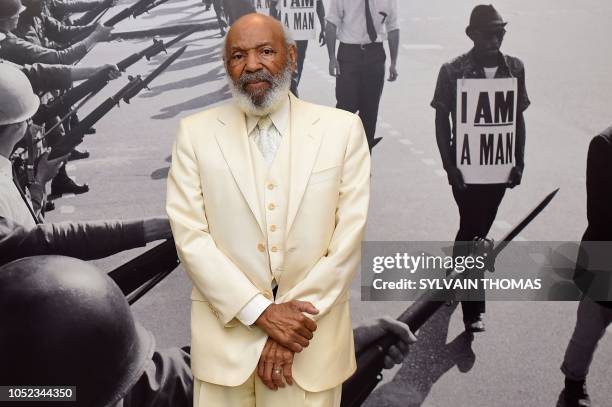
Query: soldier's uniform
x=23 y=52
x=44 y=30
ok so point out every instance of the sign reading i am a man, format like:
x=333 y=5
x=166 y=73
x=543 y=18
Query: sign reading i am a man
x=486 y=129
x=299 y=17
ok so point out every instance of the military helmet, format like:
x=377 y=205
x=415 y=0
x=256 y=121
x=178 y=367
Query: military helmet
x=17 y=99
x=10 y=8
x=65 y=323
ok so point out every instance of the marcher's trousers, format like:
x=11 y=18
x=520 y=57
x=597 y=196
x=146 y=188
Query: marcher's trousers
x=360 y=83
x=591 y=323
x=477 y=210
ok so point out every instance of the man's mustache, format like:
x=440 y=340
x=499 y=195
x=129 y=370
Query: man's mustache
x=259 y=76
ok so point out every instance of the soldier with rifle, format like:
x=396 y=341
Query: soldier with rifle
x=21 y=233
x=21 y=51
x=37 y=25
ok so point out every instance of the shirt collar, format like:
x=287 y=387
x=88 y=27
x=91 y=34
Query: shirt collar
x=502 y=65
x=6 y=168
x=279 y=117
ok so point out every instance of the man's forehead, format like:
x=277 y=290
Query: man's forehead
x=253 y=31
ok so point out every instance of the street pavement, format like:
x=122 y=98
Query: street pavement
x=568 y=61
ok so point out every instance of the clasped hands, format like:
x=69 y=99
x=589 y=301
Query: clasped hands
x=289 y=331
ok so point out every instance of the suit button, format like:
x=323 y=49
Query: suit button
x=271 y=206
x=261 y=247
x=274 y=249
x=273 y=228
x=270 y=187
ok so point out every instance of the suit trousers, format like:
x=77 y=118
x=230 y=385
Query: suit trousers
x=254 y=393
x=477 y=210
x=360 y=83
x=591 y=323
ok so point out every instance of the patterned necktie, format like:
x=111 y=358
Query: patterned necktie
x=267 y=139
x=369 y=22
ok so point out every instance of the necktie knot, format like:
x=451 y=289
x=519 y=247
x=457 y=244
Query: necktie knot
x=264 y=123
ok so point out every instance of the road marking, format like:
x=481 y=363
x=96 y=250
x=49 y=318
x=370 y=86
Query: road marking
x=440 y=173
x=422 y=47
x=520 y=238
x=71 y=195
x=416 y=151
x=70 y=167
x=429 y=161
x=385 y=125
x=394 y=133
x=502 y=224
x=406 y=142
x=65 y=209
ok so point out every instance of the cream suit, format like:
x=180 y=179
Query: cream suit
x=223 y=237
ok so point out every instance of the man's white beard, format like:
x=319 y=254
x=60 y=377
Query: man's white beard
x=272 y=97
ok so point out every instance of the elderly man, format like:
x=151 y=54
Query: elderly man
x=267 y=198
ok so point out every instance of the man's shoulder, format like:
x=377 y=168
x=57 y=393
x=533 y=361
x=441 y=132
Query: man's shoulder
x=515 y=64
x=208 y=116
x=604 y=139
x=328 y=112
x=458 y=64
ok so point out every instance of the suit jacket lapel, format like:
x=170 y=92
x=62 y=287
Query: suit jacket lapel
x=233 y=141
x=305 y=145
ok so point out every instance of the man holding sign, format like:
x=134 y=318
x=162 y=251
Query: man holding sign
x=484 y=93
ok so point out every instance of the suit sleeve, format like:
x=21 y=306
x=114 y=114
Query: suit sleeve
x=331 y=276
x=226 y=288
x=83 y=240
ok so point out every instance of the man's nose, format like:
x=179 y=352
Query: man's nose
x=253 y=62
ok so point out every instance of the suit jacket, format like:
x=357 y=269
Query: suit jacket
x=214 y=213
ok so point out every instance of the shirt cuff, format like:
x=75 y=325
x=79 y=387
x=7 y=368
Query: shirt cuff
x=253 y=309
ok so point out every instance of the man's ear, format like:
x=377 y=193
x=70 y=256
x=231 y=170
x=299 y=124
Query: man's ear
x=469 y=32
x=293 y=57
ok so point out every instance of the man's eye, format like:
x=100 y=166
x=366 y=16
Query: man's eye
x=236 y=56
x=268 y=51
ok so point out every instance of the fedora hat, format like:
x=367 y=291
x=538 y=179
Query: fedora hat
x=485 y=17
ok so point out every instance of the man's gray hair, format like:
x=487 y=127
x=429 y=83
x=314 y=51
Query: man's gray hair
x=287 y=34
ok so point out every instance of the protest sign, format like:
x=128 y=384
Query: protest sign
x=262 y=6
x=299 y=17
x=486 y=129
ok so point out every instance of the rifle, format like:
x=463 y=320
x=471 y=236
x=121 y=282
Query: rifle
x=94 y=84
x=141 y=274
x=370 y=361
x=136 y=9
x=133 y=87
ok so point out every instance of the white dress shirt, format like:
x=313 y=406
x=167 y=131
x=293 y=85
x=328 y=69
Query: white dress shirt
x=280 y=120
x=12 y=205
x=349 y=18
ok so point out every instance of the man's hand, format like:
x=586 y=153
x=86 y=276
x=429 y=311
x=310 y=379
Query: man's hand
x=274 y=365
x=516 y=173
x=322 y=38
x=47 y=169
x=101 y=33
x=334 y=67
x=392 y=73
x=113 y=71
x=156 y=229
x=372 y=331
x=286 y=324
x=455 y=178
